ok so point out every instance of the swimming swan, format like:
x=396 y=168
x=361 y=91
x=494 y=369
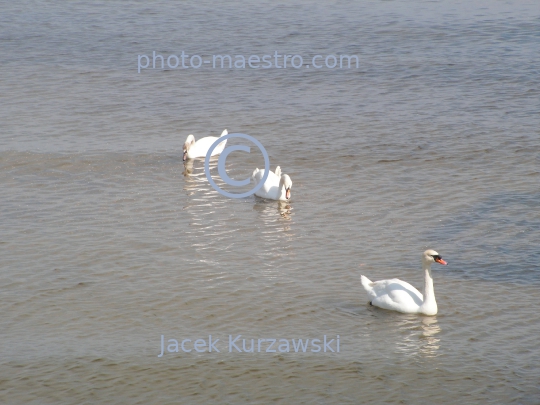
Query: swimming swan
x=276 y=186
x=400 y=296
x=200 y=148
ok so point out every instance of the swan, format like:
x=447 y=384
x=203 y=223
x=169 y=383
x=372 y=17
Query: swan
x=276 y=187
x=200 y=148
x=398 y=295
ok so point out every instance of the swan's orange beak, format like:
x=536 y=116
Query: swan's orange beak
x=288 y=193
x=441 y=261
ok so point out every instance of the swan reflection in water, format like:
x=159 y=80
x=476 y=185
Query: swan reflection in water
x=419 y=336
x=274 y=220
x=268 y=209
x=195 y=176
x=188 y=167
x=276 y=216
x=430 y=342
x=284 y=209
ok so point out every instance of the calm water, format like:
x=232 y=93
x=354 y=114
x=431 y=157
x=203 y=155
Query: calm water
x=108 y=241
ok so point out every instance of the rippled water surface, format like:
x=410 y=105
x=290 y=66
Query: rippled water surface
x=109 y=241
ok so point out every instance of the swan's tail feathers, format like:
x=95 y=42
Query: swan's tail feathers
x=278 y=171
x=225 y=132
x=366 y=283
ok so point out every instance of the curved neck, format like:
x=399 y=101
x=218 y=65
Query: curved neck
x=429 y=305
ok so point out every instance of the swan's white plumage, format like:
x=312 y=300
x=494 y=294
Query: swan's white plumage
x=398 y=295
x=200 y=148
x=276 y=187
x=393 y=294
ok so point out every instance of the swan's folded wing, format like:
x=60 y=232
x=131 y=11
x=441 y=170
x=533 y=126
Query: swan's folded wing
x=401 y=293
x=379 y=288
x=200 y=148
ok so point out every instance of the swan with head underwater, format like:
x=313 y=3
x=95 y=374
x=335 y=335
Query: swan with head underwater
x=276 y=187
x=398 y=295
x=200 y=148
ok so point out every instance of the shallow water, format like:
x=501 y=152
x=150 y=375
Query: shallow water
x=109 y=242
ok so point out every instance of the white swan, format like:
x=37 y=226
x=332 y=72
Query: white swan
x=276 y=186
x=400 y=296
x=200 y=148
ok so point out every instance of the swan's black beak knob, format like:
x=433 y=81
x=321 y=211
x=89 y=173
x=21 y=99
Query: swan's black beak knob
x=439 y=260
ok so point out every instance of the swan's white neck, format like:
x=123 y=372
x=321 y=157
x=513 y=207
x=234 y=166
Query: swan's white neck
x=429 y=306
